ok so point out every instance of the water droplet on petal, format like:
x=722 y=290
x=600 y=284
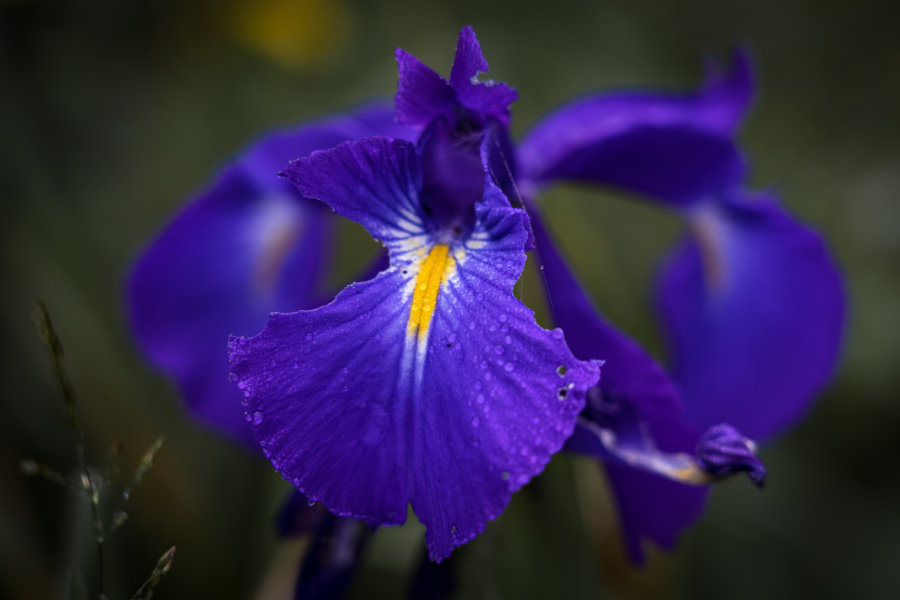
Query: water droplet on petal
x=257 y=418
x=509 y=367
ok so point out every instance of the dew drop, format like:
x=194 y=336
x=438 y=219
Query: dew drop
x=561 y=370
x=480 y=399
x=504 y=318
x=508 y=367
x=477 y=385
x=505 y=474
x=257 y=418
x=562 y=393
x=475 y=422
x=498 y=350
x=309 y=337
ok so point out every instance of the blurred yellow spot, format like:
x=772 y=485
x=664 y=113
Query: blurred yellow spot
x=296 y=34
x=432 y=273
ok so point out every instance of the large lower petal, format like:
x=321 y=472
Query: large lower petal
x=246 y=246
x=671 y=147
x=429 y=385
x=753 y=309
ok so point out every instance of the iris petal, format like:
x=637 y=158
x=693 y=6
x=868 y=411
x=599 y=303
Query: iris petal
x=422 y=94
x=670 y=147
x=487 y=97
x=753 y=308
x=651 y=507
x=247 y=245
x=636 y=402
x=431 y=384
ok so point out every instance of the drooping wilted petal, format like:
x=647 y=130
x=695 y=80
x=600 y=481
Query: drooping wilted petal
x=723 y=451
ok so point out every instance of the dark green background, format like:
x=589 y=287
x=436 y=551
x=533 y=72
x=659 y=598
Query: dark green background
x=113 y=112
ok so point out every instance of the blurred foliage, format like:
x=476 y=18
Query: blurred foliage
x=114 y=112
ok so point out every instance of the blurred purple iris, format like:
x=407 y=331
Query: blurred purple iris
x=429 y=384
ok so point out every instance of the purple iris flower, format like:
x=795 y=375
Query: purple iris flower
x=430 y=384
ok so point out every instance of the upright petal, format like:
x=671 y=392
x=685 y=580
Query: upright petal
x=671 y=147
x=430 y=384
x=487 y=97
x=422 y=95
x=249 y=244
x=469 y=61
x=753 y=309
